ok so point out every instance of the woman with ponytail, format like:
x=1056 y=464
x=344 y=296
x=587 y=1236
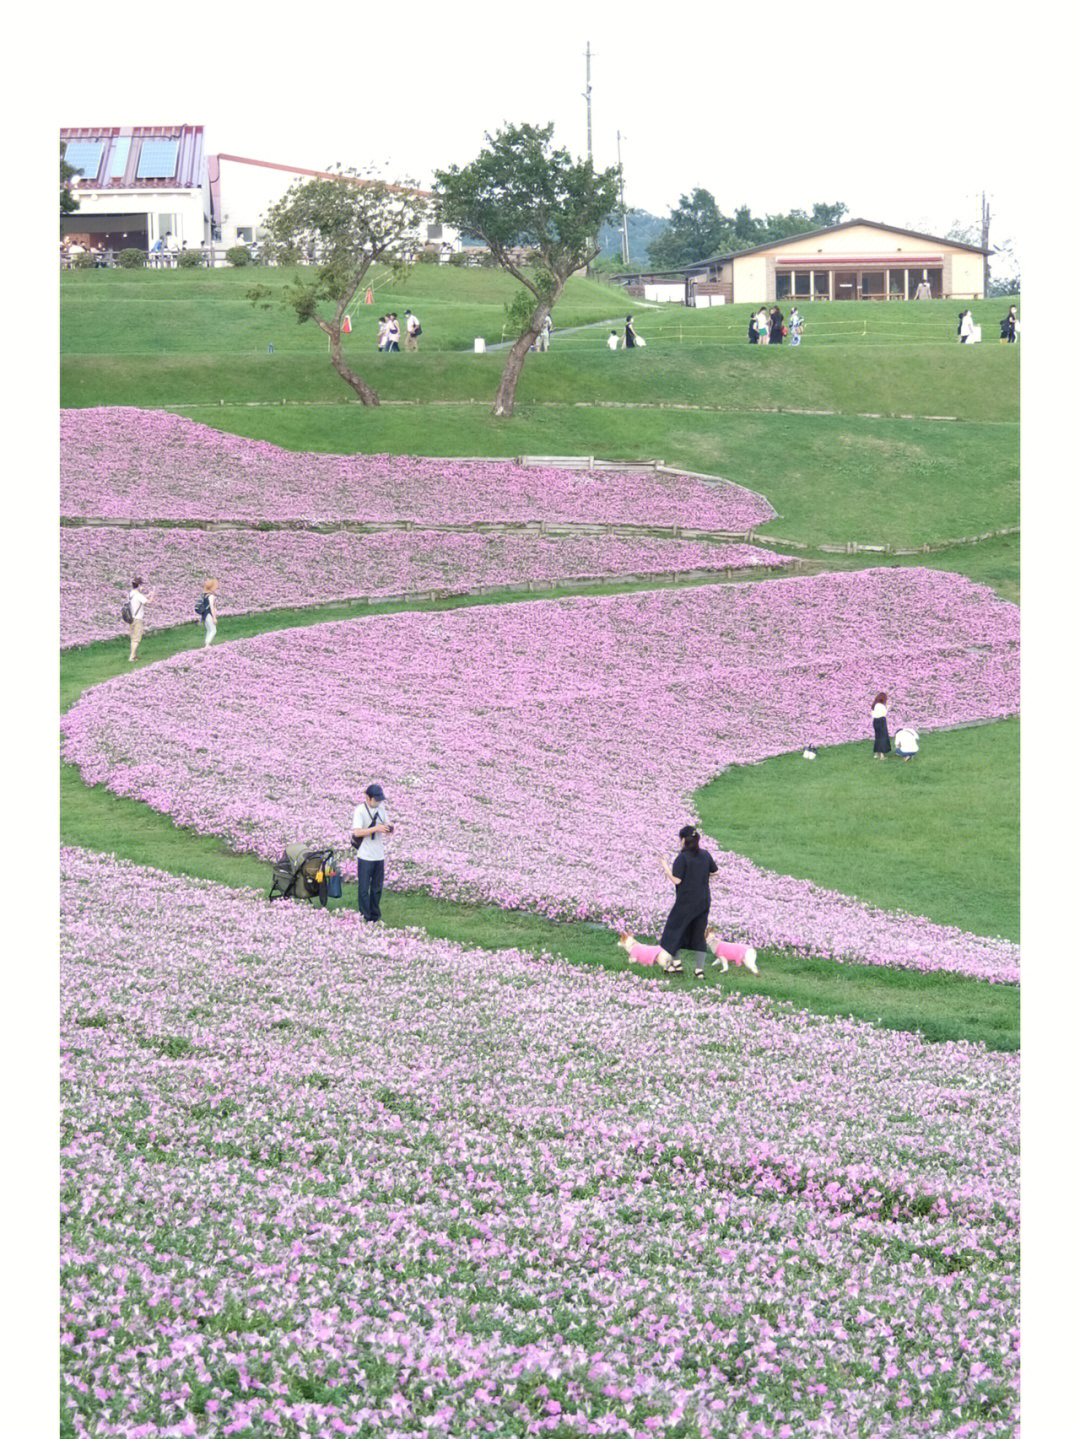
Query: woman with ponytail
x=685 y=927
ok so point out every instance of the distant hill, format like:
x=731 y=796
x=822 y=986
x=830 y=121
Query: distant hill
x=642 y=230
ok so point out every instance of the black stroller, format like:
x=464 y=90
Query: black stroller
x=304 y=873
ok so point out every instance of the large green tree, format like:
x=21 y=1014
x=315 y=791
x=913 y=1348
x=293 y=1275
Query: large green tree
x=697 y=230
x=539 y=213
x=343 y=225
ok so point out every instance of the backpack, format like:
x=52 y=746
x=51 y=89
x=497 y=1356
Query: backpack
x=202 y=606
x=125 y=613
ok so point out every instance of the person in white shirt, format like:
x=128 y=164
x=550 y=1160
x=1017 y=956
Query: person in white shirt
x=370 y=823
x=138 y=602
x=412 y=330
x=613 y=340
x=907 y=741
x=210 y=617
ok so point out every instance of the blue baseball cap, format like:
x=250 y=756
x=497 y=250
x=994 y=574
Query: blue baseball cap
x=375 y=791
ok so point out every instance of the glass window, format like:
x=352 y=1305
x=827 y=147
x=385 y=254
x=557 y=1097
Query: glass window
x=873 y=284
x=85 y=156
x=434 y=232
x=783 y=284
x=157 y=160
x=896 y=284
x=118 y=163
x=802 y=282
x=847 y=284
x=821 y=284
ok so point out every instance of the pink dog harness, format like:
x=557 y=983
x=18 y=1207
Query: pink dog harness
x=733 y=953
x=644 y=953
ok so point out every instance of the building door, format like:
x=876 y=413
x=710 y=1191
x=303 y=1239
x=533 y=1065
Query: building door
x=846 y=285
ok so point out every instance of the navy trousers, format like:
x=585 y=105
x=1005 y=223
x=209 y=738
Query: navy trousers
x=369 y=881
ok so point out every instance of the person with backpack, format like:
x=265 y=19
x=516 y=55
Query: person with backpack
x=370 y=823
x=132 y=614
x=412 y=331
x=206 y=609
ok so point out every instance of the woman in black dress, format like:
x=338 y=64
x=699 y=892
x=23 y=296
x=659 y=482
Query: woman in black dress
x=631 y=333
x=879 y=714
x=685 y=927
x=776 y=326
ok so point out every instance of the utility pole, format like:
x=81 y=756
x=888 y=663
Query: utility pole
x=622 y=201
x=984 y=225
x=588 y=98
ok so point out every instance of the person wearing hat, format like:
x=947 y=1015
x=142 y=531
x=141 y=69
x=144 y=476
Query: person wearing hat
x=370 y=823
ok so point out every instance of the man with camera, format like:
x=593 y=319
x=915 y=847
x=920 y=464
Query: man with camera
x=370 y=823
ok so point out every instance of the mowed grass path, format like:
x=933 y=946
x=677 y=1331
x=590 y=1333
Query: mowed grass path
x=939 y=1006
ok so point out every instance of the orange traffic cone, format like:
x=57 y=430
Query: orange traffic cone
x=369 y=298
x=346 y=326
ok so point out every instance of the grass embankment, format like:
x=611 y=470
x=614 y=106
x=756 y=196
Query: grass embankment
x=169 y=339
x=940 y=1006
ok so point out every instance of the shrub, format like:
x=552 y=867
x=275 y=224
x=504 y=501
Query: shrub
x=238 y=255
x=131 y=259
x=459 y=257
x=84 y=261
x=188 y=259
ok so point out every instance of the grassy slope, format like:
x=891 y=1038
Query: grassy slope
x=939 y=1006
x=170 y=339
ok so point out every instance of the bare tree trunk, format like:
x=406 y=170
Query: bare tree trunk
x=504 y=395
x=332 y=330
x=365 y=393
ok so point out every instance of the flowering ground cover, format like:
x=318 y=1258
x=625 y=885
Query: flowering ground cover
x=263 y=570
x=124 y=463
x=538 y=755
x=324 y=1179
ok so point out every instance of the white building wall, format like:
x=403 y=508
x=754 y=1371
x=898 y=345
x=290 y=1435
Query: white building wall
x=248 y=190
x=182 y=211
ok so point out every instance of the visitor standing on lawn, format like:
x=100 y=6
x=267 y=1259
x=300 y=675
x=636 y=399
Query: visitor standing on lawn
x=412 y=331
x=138 y=602
x=879 y=714
x=685 y=927
x=370 y=823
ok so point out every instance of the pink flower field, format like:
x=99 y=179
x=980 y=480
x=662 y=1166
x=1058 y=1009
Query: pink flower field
x=122 y=463
x=320 y=1180
x=538 y=755
x=263 y=570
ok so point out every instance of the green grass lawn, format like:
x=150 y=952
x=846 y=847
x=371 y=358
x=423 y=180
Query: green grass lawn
x=937 y=835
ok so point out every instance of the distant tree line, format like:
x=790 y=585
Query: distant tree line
x=697 y=229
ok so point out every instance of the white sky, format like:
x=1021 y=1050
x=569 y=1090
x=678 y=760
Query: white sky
x=773 y=109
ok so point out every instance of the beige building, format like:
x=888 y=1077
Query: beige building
x=855 y=260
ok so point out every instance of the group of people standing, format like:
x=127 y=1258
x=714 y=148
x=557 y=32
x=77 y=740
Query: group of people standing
x=134 y=612
x=390 y=332
x=768 y=327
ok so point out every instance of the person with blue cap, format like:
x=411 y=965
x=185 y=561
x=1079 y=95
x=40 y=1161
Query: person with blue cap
x=370 y=823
